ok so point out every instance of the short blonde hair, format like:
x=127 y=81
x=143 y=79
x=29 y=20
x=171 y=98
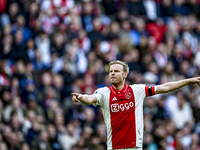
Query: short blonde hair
x=124 y=64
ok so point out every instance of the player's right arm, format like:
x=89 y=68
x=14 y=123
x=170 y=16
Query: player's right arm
x=84 y=98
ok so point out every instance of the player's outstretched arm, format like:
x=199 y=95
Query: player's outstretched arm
x=171 y=86
x=84 y=98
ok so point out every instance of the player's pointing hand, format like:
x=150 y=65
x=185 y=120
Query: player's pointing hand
x=195 y=80
x=76 y=97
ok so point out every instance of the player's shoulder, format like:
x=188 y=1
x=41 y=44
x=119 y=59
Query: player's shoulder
x=102 y=90
x=139 y=90
x=138 y=85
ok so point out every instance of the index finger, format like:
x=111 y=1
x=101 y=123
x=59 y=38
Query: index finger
x=75 y=94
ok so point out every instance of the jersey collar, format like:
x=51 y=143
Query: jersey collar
x=122 y=90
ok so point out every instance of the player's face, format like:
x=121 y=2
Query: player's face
x=116 y=74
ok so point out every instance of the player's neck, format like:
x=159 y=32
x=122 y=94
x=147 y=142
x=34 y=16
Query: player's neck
x=119 y=87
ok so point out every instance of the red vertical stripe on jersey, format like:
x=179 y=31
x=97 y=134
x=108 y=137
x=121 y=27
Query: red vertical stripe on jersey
x=146 y=91
x=122 y=110
x=153 y=90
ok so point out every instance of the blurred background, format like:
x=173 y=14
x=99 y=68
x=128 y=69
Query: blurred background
x=50 y=48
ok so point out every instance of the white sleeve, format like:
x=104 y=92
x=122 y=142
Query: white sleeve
x=99 y=93
x=143 y=91
x=139 y=90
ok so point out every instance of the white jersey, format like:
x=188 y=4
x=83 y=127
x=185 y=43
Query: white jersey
x=123 y=115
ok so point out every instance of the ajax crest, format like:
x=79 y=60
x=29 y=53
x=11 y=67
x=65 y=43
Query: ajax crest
x=128 y=95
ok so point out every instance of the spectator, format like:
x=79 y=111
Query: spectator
x=59 y=122
x=149 y=143
x=20 y=70
x=183 y=109
x=15 y=91
x=57 y=63
x=30 y=49
x=20 y=24
x=67 y=77
x=3 y=146
x=136 y=8
x=160 y=55
x=41 y=143
x=30 y=117
x=195 y=143
x=7 y=48
x=33 y=13
x=96 y=33
x=37 y=61
x=166 y=8
x=18 y=45
x=25 y=146
x=32 y=104
x=58 y=44
x=69 y=136
x=169 y=73
x=13 y=11
x=179 y=7
x=87 y=16
x=151 y=9
x=30 y=89
x=33 y=132
x=13 y=141
x=45 y=83
x=43 y=44
x=15 y=122
x=87 y=134
x=14 y=106
x=53 y=137
x=58 y=83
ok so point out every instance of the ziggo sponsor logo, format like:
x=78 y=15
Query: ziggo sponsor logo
x=121 y=107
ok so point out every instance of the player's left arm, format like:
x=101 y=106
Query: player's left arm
x=171 y=86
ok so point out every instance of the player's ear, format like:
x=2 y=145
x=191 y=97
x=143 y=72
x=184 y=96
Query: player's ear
x=125 y=75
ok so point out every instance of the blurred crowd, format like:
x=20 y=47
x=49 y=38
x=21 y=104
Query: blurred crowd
x=50 y=48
